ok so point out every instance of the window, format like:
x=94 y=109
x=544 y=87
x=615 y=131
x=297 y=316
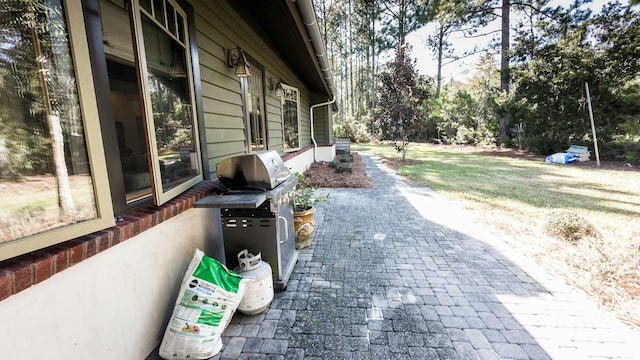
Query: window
x=291 y=118
x=254 y=116
x=151 y=82
x=52 y=165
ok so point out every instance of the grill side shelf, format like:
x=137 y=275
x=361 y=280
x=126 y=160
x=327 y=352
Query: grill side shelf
x=232 y=201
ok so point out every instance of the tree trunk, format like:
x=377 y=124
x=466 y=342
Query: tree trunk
x=65 y=199
x=402 y=14
x=440 y=49
x=504 y=64
x=373 y=62
x=350 y=60
x=504 y=53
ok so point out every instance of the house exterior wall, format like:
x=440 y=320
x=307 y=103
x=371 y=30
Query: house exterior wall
x=115 y=304
x=220 y=27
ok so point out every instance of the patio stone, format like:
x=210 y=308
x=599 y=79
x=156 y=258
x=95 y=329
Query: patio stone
x=398 y=272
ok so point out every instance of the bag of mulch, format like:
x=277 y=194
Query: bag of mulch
x=208 y=297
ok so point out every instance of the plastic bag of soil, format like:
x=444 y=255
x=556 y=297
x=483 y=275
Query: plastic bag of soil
x=208 y=297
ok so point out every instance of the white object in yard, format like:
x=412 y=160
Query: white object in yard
x=582 y=152
x=259 y=293
x=561 y=158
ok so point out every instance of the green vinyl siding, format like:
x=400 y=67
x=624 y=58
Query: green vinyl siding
x=220 y=27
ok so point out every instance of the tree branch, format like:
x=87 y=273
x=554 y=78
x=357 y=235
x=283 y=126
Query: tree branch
x=462 y=57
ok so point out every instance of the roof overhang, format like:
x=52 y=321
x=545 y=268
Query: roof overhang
x=282 y=23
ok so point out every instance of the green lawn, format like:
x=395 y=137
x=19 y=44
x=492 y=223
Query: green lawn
x=515 y=197
x=610 y=199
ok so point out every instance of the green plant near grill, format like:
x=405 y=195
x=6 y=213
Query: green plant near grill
x=306 y=195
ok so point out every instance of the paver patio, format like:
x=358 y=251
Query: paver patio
x=397 y=272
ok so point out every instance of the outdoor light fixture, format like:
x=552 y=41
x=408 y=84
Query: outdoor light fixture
x=237 y=59
x=277 y=87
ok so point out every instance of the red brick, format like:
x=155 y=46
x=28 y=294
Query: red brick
x=175 y=206
x=91 y=244
x=62 y=256
x=145 y=222
x=61 y=261
x=116 y=235
x=168 y=212
x=77 y=252
x=6 y=284
x=43 y=269
x=126 y=229
x=22 y=275
x=103 y=240
x=159 y=215
x=136 y=228
x=155 y=217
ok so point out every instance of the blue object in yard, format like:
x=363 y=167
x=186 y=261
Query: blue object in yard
x=561 y=158
x=582 y=152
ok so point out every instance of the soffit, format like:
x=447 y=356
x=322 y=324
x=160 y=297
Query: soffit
x=281 y=23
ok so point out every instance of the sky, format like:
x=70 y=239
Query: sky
x=461 y=70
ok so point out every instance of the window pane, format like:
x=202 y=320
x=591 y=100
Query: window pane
x=255 y=116
x=125 y=101
x=181 y=27
x=130 y=131
x=158 y=10
x=171 y=100
x=45 y=180
x=290 y=119
x=171 y=19
x=146 y=4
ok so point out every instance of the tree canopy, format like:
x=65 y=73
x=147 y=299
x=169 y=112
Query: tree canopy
x=528 y=89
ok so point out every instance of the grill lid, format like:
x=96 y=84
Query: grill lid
x=264 y=169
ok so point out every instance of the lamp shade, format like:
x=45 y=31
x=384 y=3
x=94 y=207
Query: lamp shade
x=242 y=69
x=279 y=89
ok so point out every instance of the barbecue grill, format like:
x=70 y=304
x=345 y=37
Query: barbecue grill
x=255 y=198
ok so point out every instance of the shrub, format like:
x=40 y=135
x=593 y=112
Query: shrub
x=353 y=129
x=543 y=145
x=625 y=150
x=570 y=226
x=346 y=158
x=334 y=164
x=344 y=167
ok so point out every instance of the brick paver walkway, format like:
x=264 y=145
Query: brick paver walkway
x=398 y=273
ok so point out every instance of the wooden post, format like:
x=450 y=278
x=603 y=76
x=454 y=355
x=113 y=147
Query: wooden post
x=593 y=126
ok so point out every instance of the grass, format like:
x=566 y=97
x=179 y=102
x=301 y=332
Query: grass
x=515 y=197
x=31 y=205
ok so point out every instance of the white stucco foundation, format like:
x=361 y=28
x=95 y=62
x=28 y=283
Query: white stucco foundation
x=303 y=161
x=326 y=153
x=114 y=305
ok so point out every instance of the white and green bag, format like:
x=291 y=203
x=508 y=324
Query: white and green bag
x=208 y=297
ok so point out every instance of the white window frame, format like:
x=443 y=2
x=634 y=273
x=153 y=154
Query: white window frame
x=93 y=139
x=283 y=99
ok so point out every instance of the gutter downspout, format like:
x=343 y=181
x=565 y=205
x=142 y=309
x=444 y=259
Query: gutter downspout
x=313 y=137
x=309 y=18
